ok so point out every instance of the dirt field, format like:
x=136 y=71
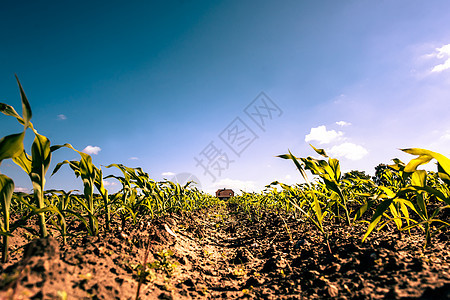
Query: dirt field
x=221 y=254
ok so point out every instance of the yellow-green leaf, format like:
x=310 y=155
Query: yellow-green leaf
x=11 y=146
x=423 y=158
x=319 y=151
x=23 y=161
x=419 y=178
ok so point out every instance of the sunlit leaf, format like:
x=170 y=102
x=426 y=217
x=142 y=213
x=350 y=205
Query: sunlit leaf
x=11 y=146
x=425 y=154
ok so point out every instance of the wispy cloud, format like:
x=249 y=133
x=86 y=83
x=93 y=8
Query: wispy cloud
x=168 y=174
x=92 y=150
x=61 y=117
x=109 y=183
x=134 y=158
x=322 y=135
x=442 y=53
x=343 y=123
x=348 y=150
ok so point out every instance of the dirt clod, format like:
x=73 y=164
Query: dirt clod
x=203 y=256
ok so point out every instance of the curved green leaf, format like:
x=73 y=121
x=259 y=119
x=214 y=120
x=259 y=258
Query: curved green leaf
x=23 y=161
x=11 y=146
x=319 y=151
x=424 y=157
x=381 y=208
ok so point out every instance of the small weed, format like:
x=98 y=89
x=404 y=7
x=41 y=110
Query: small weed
x=164 y=263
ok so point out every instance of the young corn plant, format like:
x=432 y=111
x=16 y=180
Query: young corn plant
x=121 y=200
x=424 y=192
x=317 y=217
x=330 y=173
x=416 y=194
x=6 y=192
x=35 y=165
x=135 y=190
x=62 y=202
x=11 y=146
x=104 y=193
x=86 y=169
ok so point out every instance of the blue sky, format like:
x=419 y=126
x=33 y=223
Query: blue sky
x=160 y=84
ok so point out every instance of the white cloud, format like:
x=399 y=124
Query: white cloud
x=61 y=117
x=134 y=158
x=348 y=150
x=322 y=135
x=109 y=183
x=168 y=174
x=92 y=150
x=19 y=189
x=442 y=67
x=343 y=123
x=442 y=53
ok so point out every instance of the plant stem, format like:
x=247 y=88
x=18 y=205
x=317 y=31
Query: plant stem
x=5 y=249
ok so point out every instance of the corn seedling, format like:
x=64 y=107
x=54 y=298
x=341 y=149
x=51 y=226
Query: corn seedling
x=11 y=146
x=415 y=194
x=87 y=171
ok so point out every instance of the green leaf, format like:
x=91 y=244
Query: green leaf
x=11 y=146
x=419 y=178
x=414 y=163
x=442 y=175
x=387 y=191
x=56 y=147
x=10 y=111
x=26 y=108
x=381 y=208
x=434 y=192
x=80 y=217
x=368 y=204
x=319 y=151
x=313 y=165
x=297 y=164
x=424 y=158
x=23 y=161
x=41 y=154
x=334 y=165
x=6 y=192
x=58 y=166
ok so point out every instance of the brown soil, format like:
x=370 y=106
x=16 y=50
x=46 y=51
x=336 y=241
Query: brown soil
x=221 y=254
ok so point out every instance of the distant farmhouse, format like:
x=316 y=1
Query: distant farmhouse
x=224 y=194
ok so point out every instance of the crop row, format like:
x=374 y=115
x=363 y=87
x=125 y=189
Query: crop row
x=139 y=197
x=400 y=194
